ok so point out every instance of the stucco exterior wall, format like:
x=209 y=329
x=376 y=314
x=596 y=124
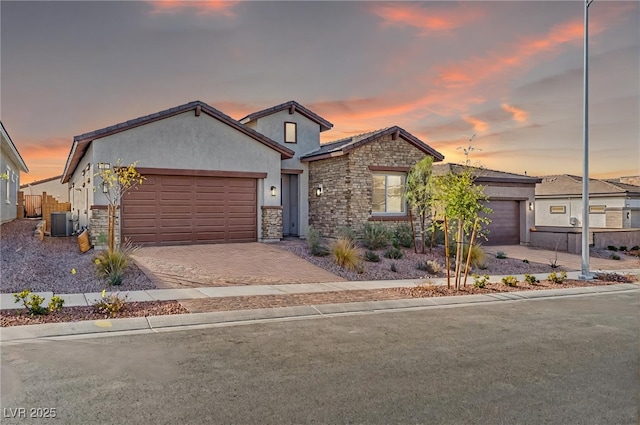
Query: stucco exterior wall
x=347 y=182
x=81 y=194
x=573 y=208
x=308 y=140
x=53 y=187
x=9 y=200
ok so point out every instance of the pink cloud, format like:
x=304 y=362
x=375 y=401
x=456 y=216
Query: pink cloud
x=426 y=19
x=203 y=7
x=519 y=115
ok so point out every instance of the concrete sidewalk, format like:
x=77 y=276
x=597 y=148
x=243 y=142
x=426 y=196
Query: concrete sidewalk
x=7 y=301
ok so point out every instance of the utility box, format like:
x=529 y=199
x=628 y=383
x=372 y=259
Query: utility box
x=61 y=224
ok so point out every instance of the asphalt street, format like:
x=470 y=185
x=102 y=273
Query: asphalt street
x=571 y=360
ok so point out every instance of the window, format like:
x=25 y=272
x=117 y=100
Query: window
x=7 y=183
x=388 y=194
x=597 y=209
x=290 y=132
x=558 y=209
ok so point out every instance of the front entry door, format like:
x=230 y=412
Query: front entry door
x=289 y=205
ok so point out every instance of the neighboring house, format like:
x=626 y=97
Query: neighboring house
x=11 y=165
x=51 y=186
x=511 y=197
x=210 y=178
x=612 y=204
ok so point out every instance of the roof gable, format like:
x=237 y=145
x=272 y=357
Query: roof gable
x=13 y=151
x=344 y=146
x=81 y=143
x=292 y=106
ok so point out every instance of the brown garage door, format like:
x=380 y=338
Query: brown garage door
x=171 y=210
x=504 y=228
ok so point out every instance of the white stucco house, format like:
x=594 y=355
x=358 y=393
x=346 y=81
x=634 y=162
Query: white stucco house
x=612 y=204
x=213 y=179
x=51 y=186
x=11 y=165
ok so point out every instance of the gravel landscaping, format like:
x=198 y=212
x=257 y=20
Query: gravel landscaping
x=49 y=265
x=406 y=267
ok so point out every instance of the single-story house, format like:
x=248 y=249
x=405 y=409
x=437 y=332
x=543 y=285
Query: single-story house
x=510 y=196
x=51 y=186
x=212 y=179
x=11 y=165
x=612 y=204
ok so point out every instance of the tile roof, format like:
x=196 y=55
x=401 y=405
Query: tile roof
x=82 y=142
x=292 y=104
x=343 y=146
x=22 y=186
x=567 y=184
x=485 y=175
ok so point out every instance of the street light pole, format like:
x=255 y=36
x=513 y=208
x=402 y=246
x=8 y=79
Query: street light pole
x=586 y=275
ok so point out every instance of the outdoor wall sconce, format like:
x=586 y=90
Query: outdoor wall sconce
x=104 y=166
x=319 y=190
x=274 y=191
x=530 y=206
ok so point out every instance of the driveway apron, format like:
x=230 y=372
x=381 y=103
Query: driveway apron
x=192 y=266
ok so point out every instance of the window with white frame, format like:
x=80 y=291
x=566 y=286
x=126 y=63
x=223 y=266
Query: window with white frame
x=388 y=194
x=558 y=209
x=597 y=209
x=7 y=183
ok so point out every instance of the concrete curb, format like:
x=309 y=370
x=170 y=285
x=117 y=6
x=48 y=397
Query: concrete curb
x=185 y=321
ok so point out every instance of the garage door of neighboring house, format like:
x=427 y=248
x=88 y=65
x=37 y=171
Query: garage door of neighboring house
x=504 y=228
x=172 y=210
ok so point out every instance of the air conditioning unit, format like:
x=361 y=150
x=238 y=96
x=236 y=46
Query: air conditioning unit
x=61 y=224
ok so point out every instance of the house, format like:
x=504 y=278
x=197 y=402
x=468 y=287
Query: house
x=511 y=197
x=11 y=165
x=612 y=204
x=212 y=179
x=51 y=186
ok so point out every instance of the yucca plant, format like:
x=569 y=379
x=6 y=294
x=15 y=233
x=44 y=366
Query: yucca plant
x=345 y=253
x=375 y=236
x=111 y=264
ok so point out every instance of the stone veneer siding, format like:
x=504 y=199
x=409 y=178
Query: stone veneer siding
x=99 y=229
x=348 y=183
x=271 y=223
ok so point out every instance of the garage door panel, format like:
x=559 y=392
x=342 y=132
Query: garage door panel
x=188 y=209
x=504 y=228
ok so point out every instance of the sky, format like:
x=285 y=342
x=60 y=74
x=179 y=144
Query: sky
x=508 y=74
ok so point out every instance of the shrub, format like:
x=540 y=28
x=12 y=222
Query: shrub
x=525 y=261
x=109 y=305
x=480 y=281
x=319 y=250
x=55 y=304
x=557 y=278
x=615 y=256
x=345 y=253
x=32 y=303
x=635 y=248
x=313 y=238
x=347 y=233
x=531 y=279
x=371 y=257
x=112 y=264
x=375 y=236
x=478 y=256
x=393 y=253
x=510 y=280
x=622 y=248
x=502 y=255
x=393 y=267
x=403 y=235
x=612 y=248
x=430 y=266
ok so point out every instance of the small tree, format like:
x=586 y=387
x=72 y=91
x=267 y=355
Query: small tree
x=116 y=182
x=459 y=201
x=418 y=193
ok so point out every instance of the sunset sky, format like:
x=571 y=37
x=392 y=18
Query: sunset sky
x=508 y=72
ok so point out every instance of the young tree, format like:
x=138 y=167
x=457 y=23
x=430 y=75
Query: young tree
x=418 y=195
x=459 y=201
x=116 y=182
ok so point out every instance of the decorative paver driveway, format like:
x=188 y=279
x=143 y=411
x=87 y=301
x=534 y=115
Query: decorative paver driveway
x=227 y=265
